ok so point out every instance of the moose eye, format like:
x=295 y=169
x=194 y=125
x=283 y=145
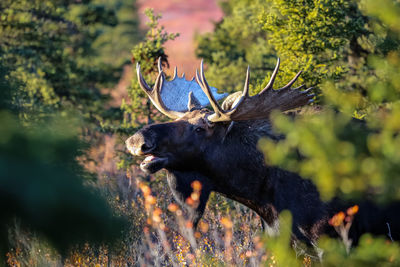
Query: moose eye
x=199 y=130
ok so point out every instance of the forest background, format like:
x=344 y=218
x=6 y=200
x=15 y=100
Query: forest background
x=71 y=195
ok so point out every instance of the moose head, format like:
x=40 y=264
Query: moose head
x=191 y=141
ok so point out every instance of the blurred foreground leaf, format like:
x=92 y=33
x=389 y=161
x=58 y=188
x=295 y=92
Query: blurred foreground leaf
x=41 y=184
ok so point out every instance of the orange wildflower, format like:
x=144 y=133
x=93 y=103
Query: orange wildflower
x=226 y=222
x=189 y=224
x=203 y=227
x=156 y=215
x=145 y=189
x=190 y=201
x=196 y=185
x=352 y=210
x=173 y=207
x=337 y=219
x=157 y=211
x=195 y=196
x=151 y=200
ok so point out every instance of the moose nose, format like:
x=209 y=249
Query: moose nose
x=138 y=145
x=145 y=148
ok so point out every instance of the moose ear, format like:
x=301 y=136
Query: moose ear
x=193 y=103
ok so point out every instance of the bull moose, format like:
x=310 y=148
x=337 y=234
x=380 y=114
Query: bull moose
x=219 y=149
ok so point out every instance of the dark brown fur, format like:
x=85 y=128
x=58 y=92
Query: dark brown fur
x=226 y=160
x=230 y=164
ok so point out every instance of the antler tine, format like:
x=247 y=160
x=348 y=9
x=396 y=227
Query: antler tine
x=193 y=102
x=246 y=83
x=175 y=72
x=301 y=87
x=201 y=80
x=159 y=65
x=273 y=76
x=158 y=85
x=145 y=87
x=245 y=94
x=287 y=86
x=260 y=105
x=305 y=91
x=154 y=94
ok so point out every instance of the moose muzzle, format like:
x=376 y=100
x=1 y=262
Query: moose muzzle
x=139 y=145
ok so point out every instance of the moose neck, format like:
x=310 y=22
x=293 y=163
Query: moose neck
x=234 y=163
x=237 y=169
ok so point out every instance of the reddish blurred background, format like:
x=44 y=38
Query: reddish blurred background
x=185 y=17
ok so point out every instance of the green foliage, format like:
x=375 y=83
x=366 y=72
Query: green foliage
x=316 y=36
x=114 y=43
x=325 y=39
x=369 y=252
x=237 y=41
x=53 y=66
x=41 y=184
x=343 y=156
x=279 y=246
x=146 y=53
x=334 y=149
x=48 y=46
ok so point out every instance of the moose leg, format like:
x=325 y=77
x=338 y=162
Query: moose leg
x=180 y=184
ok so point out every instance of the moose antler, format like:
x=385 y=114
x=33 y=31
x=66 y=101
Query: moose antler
x=173 y=98
x=154 y=94
x=260 y=105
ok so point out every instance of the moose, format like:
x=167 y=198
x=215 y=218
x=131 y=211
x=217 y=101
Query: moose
x=219 y=149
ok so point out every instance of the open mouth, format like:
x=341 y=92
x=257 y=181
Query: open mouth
x=152 y=164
